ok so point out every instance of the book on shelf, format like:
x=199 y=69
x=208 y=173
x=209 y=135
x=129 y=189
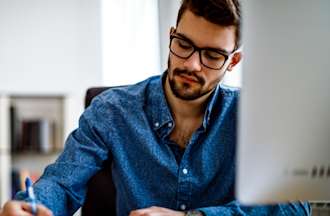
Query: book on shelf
x=31 y=135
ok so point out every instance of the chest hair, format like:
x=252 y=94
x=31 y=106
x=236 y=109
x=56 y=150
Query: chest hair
x=183 y=132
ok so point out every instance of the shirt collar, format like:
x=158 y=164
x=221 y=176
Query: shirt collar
x=211 y=104
x=158 y=109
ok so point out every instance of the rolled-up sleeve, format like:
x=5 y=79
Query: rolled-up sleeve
x=62 y=187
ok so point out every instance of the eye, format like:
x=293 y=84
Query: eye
x=211 y=55
x=184 y=44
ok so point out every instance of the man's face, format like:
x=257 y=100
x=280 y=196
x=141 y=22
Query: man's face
x=189 y=79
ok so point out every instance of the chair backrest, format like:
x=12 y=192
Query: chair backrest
x=92 y=92
x=101 y=193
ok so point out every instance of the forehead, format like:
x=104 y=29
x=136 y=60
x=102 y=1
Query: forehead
x=206 y=34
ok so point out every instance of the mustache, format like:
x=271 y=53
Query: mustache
x=179 y=72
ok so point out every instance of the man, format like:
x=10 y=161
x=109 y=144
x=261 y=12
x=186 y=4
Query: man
x=171 y=138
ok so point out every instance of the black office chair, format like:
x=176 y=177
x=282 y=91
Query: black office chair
x=101 y=193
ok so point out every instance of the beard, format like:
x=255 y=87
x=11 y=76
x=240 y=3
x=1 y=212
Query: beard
x=186 y=90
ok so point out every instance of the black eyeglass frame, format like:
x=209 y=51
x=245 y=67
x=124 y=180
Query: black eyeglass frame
x=199 y=50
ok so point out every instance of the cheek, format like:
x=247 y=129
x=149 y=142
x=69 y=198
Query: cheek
x=214 y=78
x=175 y=62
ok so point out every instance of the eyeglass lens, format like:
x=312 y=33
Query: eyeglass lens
x=185 y=49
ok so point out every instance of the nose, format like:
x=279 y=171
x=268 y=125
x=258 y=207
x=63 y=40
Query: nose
x=193 y=63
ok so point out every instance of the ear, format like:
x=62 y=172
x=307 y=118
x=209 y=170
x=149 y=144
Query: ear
x=235 y=59
x=172 y=30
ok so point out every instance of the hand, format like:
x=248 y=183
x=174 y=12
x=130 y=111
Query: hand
x=19 y=208
x=156 y=211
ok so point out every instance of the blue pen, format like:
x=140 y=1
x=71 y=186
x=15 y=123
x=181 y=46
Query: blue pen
x=31 y=196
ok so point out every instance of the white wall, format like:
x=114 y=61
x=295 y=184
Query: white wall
x=140 y=29
x=168 y=10
x=50 y=47
x=130 y=41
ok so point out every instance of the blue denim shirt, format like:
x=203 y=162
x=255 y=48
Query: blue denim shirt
x=134 y=123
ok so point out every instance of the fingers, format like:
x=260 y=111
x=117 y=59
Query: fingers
x=141 y=212
x=41 y=209
x=19 y=208
x=156 y=211
x=15 y=208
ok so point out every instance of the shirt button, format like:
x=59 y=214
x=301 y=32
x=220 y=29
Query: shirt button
x=183 y=207
x=170 y=124
x=185 y=171
x=157 y=124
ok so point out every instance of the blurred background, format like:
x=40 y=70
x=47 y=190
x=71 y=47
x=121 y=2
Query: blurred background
x=51 y=52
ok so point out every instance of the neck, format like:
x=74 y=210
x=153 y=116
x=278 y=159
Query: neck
x=185 y=109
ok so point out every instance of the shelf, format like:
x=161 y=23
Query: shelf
x=33 y=161
x=43 y=115
x=4 y=150
x=31 y=136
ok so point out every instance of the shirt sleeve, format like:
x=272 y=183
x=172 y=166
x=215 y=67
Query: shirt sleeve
x=234 y=208
x=62 y=186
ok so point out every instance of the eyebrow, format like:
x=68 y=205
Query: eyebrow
x=210 y=48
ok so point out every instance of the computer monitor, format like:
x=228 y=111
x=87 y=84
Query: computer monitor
x=284 y=119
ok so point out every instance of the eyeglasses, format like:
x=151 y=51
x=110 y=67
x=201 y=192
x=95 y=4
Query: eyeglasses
x=209 y=57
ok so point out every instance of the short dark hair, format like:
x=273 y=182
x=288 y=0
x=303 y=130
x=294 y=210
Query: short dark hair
x=220 y=12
